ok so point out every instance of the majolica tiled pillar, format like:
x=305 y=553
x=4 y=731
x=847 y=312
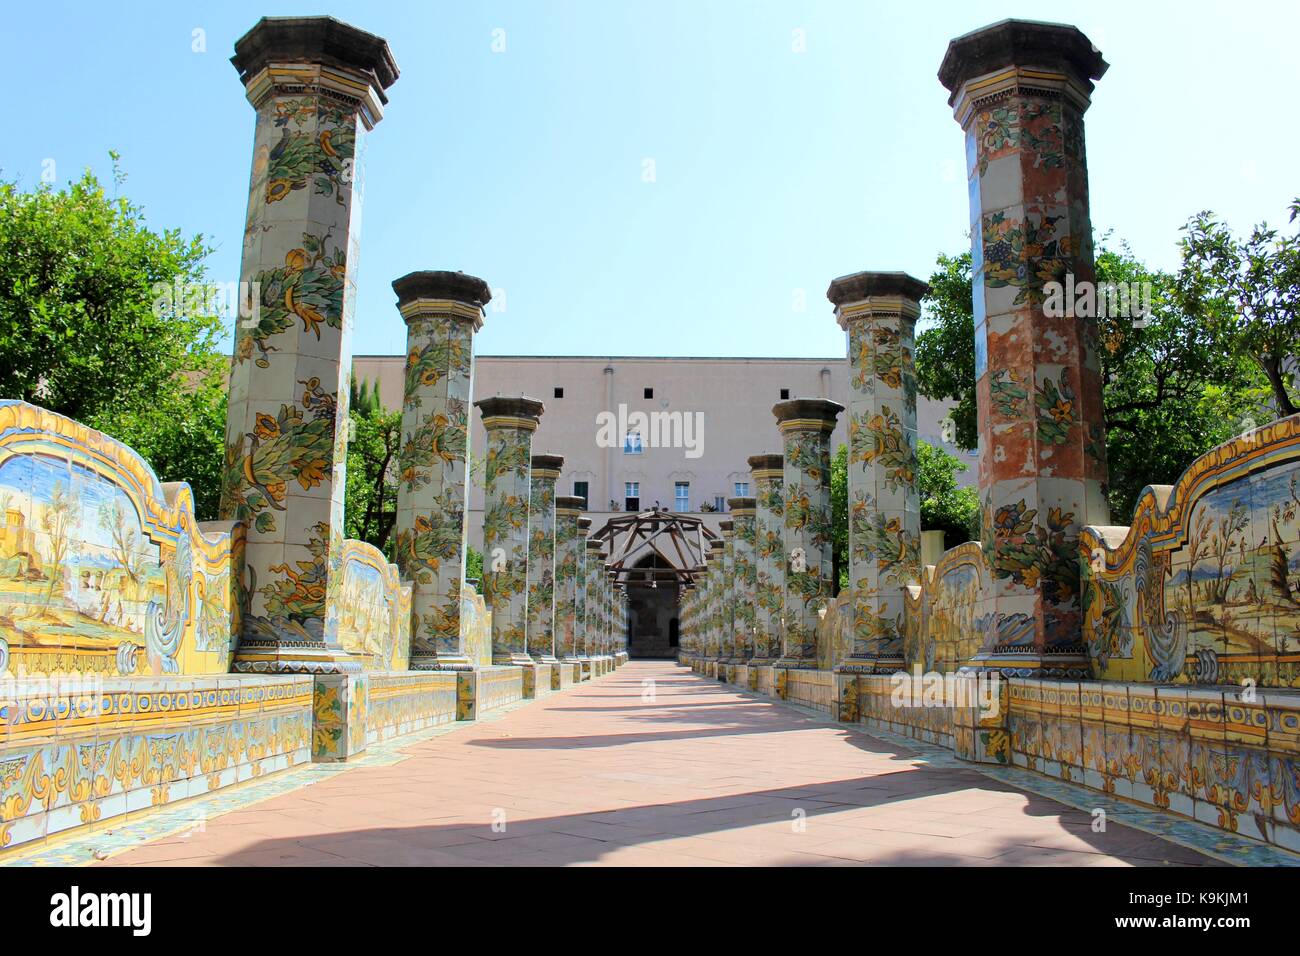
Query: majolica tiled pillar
x=768 y=472
x=1019 y=90
x=727 y=607
x=442 y=311
x=714 y=597
x=568 y=545
x=879 y=311
x=806 y=425
x=542 y=631
x=595 y=575
x=510 y=423
x=317 y=86
x=744 y=576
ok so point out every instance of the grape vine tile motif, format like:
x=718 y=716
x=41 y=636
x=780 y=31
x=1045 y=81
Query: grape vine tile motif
x=289 y=447
x=299 y=596
x=1008 y=393
x=325 y=152
x=308 y=288
x=881 y=441
x=439 y=439
x=1033 y=556
x=1025 y=254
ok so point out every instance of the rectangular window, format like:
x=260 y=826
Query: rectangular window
x=682 y=496
x=580 y=491
x=631 y=496
x=649 y=393
x=632 y=443
x=559 y=392
x=720 y=503
x=785 y=394
x=742 y=489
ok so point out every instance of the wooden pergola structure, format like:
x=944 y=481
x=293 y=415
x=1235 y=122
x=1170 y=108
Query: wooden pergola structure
x=674 y=545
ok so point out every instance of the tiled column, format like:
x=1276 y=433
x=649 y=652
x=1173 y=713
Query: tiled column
x=568 y=542
x=580 y=589
x=595 y=574
x=542 y=631
x=806 y=425
x=1019 y=90
x=745 y=576
x=768 y=472
x=713 y=595
x=442 y=311
x=317 y=86
x=879 y=311
x=727 y=607
x=509 y=423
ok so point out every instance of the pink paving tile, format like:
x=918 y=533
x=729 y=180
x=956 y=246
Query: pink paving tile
x=702 y=776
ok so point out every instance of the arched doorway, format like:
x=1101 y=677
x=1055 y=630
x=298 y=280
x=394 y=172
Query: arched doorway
x=654 y=556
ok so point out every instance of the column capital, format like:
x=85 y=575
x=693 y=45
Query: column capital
x=293 y=54
x=807 y=414
x=516 y=412
x=726 y=527
x=766 y=466
x=742 y=507
x=584 y=523
x=547 y=466
x=865 y=294
x=1053 y=59
x=570 y=506
x=717 y=544
x=461 y=295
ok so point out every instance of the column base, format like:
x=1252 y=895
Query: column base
x=887 y=664
x=1032 y=662
x=442 y=663
x=270 y=656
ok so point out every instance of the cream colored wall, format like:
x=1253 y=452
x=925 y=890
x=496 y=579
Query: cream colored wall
x=736 y=396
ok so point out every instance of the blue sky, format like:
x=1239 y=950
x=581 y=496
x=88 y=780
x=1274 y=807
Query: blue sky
x=775 y=171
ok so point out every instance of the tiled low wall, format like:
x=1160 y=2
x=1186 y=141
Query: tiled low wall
x=404 y=702
x=810 y=688
x=1200 y=752
x=499 y=687
x=128 y=745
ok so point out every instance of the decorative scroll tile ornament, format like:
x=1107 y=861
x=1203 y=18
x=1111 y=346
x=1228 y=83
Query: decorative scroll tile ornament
x=879 y=312
x=806 y=425
x=768 y=472
x=510 y=423
x=318 y=87
x=1019 y=90
x=543 y=630
x=442 y=311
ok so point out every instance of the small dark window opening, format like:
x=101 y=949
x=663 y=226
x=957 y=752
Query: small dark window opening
x=580 y=491
x=649 y=393
x=785 y=394
x=559 y=392
x=631 y=504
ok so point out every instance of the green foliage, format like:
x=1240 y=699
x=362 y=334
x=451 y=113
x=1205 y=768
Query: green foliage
x=945 y=346
x=840 y=517
x=473 y=564
x=80 y=334
x=374 y=436
x=1171 y=391
x=1247 y=292
x=945 y=505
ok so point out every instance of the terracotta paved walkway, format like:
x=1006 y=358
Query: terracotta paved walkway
x=703 y=775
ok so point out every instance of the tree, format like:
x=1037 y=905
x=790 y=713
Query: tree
x=1248 y=294
x=945 y=505
x=840 y=518
x=1170 y=392
x=945 y=350
x=375 y=434
x=85 y=333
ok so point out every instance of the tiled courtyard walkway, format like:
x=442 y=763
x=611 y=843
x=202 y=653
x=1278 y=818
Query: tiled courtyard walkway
x=700 y=775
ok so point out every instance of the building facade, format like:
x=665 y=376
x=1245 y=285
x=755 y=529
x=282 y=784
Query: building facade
x=637 y=432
